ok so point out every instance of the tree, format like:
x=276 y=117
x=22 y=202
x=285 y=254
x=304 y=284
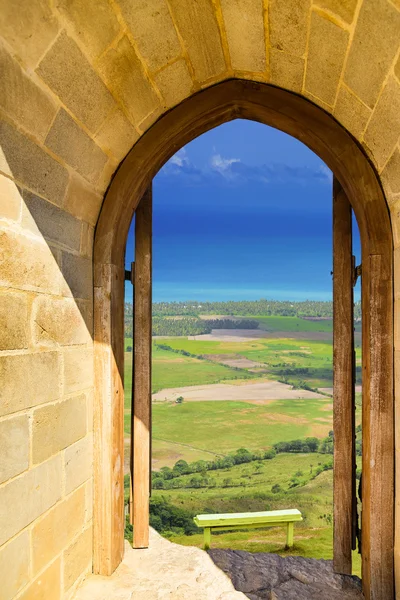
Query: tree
x=181 y=467
x=158 y=484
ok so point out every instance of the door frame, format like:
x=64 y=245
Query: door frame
x=299 y=117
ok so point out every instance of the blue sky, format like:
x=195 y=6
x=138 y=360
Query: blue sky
x=242 y=212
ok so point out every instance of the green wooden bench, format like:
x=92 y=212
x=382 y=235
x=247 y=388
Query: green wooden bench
x=272 y=518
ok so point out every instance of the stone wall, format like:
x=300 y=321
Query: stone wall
x=81 y=81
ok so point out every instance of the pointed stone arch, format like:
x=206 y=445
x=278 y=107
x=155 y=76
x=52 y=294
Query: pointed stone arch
x=310 y=124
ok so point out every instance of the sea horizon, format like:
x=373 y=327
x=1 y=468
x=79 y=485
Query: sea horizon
x=174 y=293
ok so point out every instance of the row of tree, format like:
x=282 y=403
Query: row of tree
x=263 y=307
x=193 y=326
x=181 y=467
x=313 y=444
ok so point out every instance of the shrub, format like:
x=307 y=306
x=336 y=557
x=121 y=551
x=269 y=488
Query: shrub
x=276 y=488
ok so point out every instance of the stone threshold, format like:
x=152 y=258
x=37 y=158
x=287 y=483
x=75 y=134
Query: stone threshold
x=168 y=571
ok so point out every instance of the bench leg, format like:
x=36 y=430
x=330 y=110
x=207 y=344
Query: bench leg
x=207 y=538
x=289 y=535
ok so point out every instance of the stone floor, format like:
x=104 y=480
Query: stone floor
x=167 y=571
x=164 y=571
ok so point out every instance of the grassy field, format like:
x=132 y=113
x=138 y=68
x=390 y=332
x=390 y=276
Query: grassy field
x=248 y=487
x=293 y=324
x=200 y=430
x=173 y=370
x=226 y=426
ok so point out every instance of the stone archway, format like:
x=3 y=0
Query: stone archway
x=325 y=136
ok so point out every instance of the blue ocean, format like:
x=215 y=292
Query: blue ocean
x=241 y=242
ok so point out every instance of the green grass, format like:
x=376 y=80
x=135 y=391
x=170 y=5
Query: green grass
x=306 y=360
x=224 y=426
x=175 y=370
x=200 y=430
x=167 y=453
x=293 y=324
x=249 y=489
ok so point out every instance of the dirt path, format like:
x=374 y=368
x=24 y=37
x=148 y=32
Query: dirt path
x=262 y=392
x=252 y=335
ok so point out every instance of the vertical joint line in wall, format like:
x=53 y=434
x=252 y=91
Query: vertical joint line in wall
x=353 y=26
x=219 y=17
x=267 y=39
x=303 y=87
x=185 y=52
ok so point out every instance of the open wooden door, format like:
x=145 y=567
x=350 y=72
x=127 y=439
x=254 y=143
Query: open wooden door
x=345 y=522
x=141 y=277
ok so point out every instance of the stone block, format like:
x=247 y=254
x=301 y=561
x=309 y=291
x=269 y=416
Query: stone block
x=56 y=426
x=106 y=176
x=288 y=23
x=24 y=161
x=326 y=53
x=86 y=310
x=396 y=264
x=30 y=495
x=23 y=100
x=78 y=275
x=78 y=369
x=73 y=145
x=83 y=201
x=94 y=22
x=89 y=501
x=14 y=328
x=394 y=203
x=77 y=558
x=87 y=238
x=53 y=223
x=14 y=566
x=29 y=27
x=90 y=409
x=28 y=380
x=28 y=264
x=343 y=8
x=373 y=49
x=14 y=446
x=199 y=29
x=286 y=70
x=78 y=463
x=68 y=73
x=383 y=130
x=58 y=321
x=125 y=76
x=10 y=199
x=117 y=135
x=391 y=173
x=56 y=530
x=244 y=25
x=351 y=112
x=47 y=586
x=153 y=30
x=174 y=83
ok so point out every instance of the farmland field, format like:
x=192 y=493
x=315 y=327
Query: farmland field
x=234 y=389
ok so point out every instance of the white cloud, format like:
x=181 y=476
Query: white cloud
x=223 y=165
x=325 y=172
x=180 y=158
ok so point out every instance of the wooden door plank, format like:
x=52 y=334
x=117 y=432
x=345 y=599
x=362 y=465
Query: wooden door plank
x=132 y=279
x=343 y=382
x=142 y=380
x=378 y=432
